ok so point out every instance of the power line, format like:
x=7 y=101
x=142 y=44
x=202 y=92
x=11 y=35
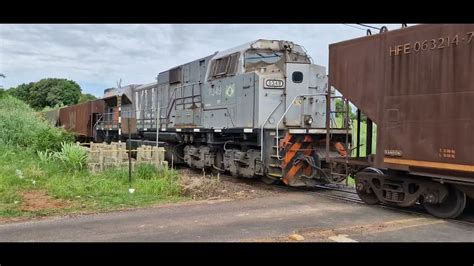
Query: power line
x=354 y=26
x=368 y=26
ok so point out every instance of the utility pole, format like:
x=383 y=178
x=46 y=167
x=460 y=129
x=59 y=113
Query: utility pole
x=129 y=153
x=157 y=113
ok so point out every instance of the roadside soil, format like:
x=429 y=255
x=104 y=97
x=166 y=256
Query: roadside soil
x=197 y=188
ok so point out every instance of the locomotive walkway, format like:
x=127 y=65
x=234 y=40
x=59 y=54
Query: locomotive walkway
x=271 y=218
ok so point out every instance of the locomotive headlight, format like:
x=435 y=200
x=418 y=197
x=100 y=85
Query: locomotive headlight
x=308 y=120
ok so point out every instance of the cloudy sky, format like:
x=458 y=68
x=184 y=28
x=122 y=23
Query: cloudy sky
x=97 y=56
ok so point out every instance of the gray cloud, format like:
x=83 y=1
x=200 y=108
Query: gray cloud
x=96 y=56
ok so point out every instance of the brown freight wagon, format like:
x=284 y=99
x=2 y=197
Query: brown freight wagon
x=417 y=85
x=81 y=118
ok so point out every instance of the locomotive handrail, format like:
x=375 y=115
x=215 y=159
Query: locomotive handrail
x=97 y=122
x=286 y=111
x=261 y=131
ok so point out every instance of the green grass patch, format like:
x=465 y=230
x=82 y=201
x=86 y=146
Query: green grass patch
x=21 y=126
x=21 y=170
x=363 y=134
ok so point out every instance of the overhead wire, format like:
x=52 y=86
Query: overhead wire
x=368 y=26
x=353 y=26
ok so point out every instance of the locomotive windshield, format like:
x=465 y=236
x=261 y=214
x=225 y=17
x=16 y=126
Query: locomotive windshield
x=255 y=59
x=263 y=57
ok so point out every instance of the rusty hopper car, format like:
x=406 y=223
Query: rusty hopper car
x=81 y=118
x=417 y=85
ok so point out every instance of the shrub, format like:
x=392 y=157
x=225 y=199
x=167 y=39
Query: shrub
x=21 y=126
x=73 y=156
x=146 y=171
x=45 y=156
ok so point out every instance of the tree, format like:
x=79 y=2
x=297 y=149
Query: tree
x=87 y=97
x=2 y=76
x=340 y=108
x=21 y=92
x=48 y=92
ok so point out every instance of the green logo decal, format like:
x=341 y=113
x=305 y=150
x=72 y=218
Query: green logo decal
x=229 y=91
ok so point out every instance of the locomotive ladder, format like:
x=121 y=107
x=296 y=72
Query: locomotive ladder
x=274 y=168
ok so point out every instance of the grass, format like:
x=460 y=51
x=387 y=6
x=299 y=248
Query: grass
x=21 y=126
x=363 y=134
x=36 y=157
x=21 y=171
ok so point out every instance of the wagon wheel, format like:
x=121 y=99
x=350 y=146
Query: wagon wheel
x=364 y=191
x=367 y=195
x=452 y=206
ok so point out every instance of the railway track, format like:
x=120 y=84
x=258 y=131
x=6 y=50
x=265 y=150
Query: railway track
x=344 y=193
x=350 y=195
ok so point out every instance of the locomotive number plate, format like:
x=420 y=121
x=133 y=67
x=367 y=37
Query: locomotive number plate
x=274 y=83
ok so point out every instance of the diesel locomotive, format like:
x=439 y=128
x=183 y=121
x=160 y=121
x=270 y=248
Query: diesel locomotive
x=256 y=110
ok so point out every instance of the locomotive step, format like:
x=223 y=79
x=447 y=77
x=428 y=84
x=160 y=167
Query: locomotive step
x=275 y=175
x=274 y=165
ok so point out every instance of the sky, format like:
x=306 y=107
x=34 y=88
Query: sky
x=97 y=56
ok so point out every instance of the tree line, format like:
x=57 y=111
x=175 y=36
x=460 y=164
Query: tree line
x=50 y=92
x=340 y=109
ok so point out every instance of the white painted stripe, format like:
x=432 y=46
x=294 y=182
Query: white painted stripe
x=120 y=108
x=145 y=129
x=177 y=130
x=248 y=130
x=120 y=119
x=217 y=130
x=297 y=131
x=341 y=238
x=163 y=129
x=317 y=131
x=120 y=131
x=196 y=130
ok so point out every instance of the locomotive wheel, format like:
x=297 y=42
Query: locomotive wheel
x=452 y=206
x=218 y=162
x=364 y=191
